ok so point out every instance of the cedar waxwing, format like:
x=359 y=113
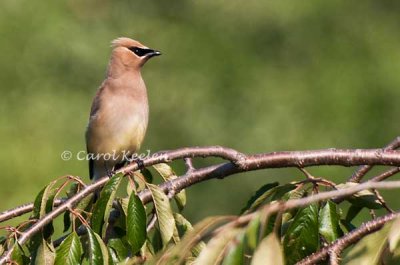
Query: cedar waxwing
x=119 y=114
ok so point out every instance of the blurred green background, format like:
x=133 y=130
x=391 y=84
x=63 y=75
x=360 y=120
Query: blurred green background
x=257 y=76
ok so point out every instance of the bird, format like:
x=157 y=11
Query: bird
x=120 y=111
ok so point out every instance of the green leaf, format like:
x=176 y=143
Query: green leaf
x=179 y=253
x=272 y=193
x=214 y=250
x=364 y=198
x=119 y=247
x=136 y=223
x=70 y=251
x=292 y=195
x=253 y=233
x=352 y=212
x=130 y=187
x=167 y=174
x=82 y=207
x=18 y=256
x=182 y=224
x=44 y=204
x=45 y=254
x=165 y=218
x=345 y=226
x=281 y=192
x=147 y=175
x=269 y=252
x=260 y=195
x=301 y=238
x=235 y=251
x=123 y=202
x=329 y=222
x=183 y=227
x=102 y=208
x=394 y=235
x=66 y=221
x=156 y=241
x=98 y=253
x=369 y=249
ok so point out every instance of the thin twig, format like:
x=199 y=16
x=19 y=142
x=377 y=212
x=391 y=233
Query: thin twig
x=346 y=157
x=386 y=174
x=349 y=239
x=363 y=170
x=189 y=164
x=152 y=223
x=238 y=163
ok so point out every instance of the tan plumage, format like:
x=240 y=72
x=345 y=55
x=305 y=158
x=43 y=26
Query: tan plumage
x=119 y=114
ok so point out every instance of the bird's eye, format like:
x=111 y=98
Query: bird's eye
x=138 y=51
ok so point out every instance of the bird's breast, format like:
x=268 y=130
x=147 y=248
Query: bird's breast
x=119 y=125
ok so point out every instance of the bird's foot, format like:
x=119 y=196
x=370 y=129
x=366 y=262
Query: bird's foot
x=110 y=173
x=140 y=163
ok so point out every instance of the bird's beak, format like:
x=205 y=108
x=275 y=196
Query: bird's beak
x=151 y=53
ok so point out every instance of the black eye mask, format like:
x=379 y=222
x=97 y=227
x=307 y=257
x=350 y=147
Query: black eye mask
x=144 y=52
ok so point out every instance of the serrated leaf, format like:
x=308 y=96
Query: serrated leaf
x=364 y=198
x=329 y=222
x=269 y=252
x=167 y=174
x=301 y=238
x=44 y=204
x=165 y=218
x=235 y=251
x=213 y=253
x=102 y=208
x=369 y=249
x=98 y=253
x=136 y=223
x=120 y=248
x=180 y=252
x=70 y=251
x=45 y=254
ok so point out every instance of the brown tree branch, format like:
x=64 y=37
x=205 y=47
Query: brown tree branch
x=363 y=170
x=349 y=239
x=349 y=157
x=238 y=163
x=386 y=174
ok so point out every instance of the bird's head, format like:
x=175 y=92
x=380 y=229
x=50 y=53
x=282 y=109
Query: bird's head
x=132 y=53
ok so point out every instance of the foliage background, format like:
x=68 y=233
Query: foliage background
x=256 y=76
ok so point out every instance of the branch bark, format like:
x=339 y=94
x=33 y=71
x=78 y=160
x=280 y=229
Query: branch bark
x=238 y=163
x=349 y=239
